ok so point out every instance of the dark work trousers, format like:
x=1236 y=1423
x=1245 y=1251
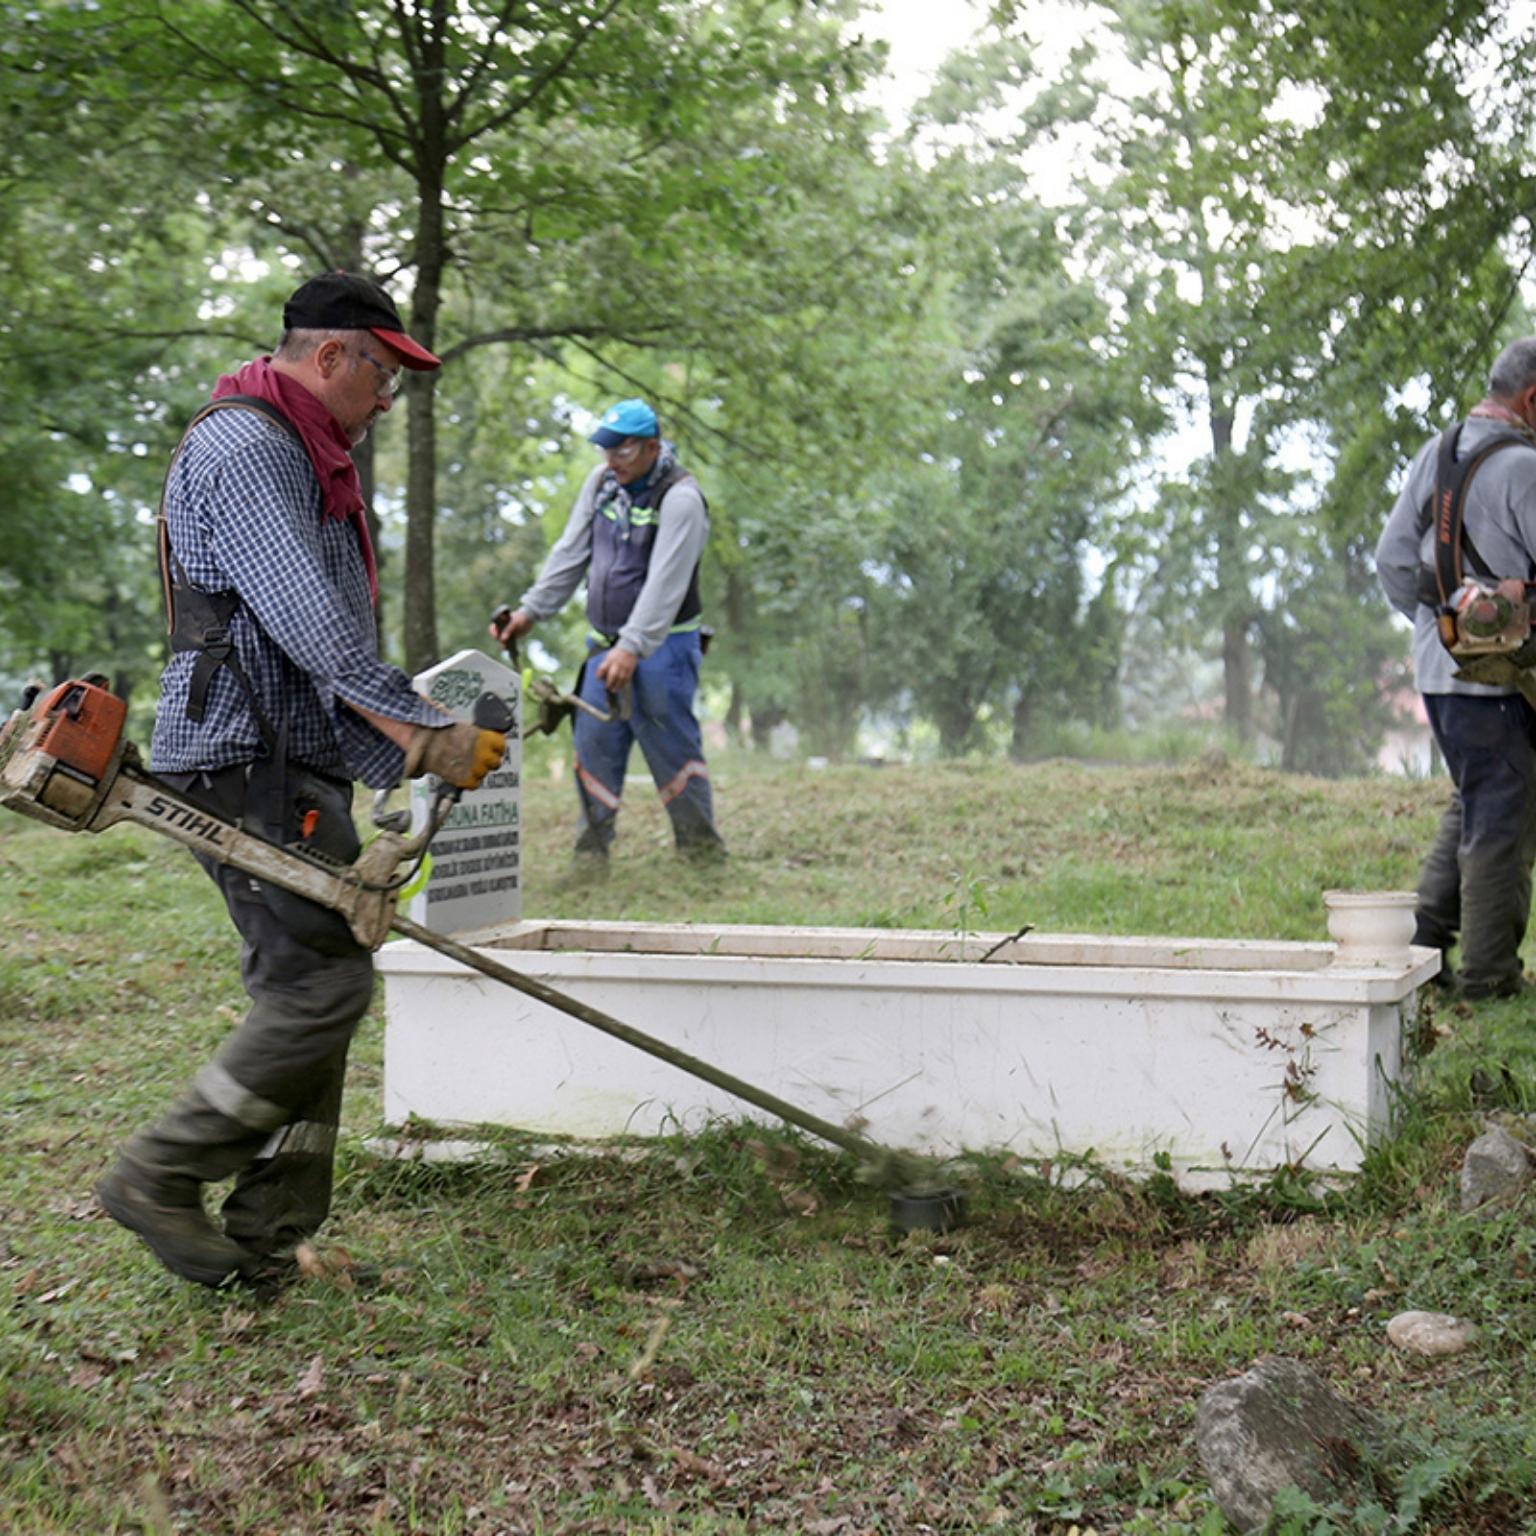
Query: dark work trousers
x=1476 y=878
x=266 y=1108
x=663 y=723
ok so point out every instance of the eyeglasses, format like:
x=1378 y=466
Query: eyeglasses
x=392 y=380
x=630 y=448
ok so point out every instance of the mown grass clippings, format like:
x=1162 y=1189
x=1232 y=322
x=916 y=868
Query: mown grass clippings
x=721 y=1333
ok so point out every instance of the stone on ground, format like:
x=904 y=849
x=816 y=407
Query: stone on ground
x=1430 y=1333
x=1494 y=1171
x=1279 y=1426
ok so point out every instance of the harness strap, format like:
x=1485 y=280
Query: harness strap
x=1447 y=508
x=170 y=566
x=196 y=620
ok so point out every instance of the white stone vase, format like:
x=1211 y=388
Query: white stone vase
x=1370 y=927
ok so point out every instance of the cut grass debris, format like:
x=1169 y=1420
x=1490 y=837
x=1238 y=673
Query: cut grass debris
x=720 y=1333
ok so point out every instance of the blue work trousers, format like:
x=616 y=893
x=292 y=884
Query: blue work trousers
x=1476 y=878
x=663 y=722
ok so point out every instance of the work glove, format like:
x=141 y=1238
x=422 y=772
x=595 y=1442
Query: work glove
x=458 y=754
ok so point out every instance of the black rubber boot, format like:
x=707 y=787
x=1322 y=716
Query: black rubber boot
x=1438 y=912
x=282 y=1197
x=168 y=1214
x=1495 y=906
x=156 y=1187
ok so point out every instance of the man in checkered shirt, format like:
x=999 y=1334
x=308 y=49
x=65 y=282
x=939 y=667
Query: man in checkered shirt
x=273 y=703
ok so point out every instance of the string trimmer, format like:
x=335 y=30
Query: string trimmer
x=66 y=762
x=556 y=706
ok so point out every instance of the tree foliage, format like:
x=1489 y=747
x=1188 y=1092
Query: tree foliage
x=1131 y=338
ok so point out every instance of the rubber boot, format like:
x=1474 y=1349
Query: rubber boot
x=1439 y=906
x=156 y=1188
x=1495 y=906
x=1438 y=912
x=167 y=1212
x=693 y=830
x=284 y=1195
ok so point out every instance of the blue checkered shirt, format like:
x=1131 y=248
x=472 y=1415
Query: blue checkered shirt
x=244 y=514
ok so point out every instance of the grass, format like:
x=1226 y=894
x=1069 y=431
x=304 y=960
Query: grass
x=723 y=1336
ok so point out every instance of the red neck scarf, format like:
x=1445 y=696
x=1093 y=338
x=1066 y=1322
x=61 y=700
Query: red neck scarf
x=326 y=444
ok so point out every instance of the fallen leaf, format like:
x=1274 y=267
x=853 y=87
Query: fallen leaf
x=109 y=1356
x=647 y=1356
x=524 y=1181
x=801 y=1201
x=661 y=1269
x=313 y=1380
x=698 y=1466
x=334 y=1265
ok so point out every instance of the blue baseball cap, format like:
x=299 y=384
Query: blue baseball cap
x=629 y=418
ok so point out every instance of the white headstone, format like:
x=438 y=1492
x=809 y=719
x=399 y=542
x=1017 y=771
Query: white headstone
x=475 y=878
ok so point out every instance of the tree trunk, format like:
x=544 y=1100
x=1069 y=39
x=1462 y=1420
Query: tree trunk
x=353 y=258
x=421 y=647
x=733 y=714
x=362 y=456
x=1023 y=719
x=122 y=676
x=764 y=721
x=1236 y=656
x=735 y=623
x=420 y=510
x=956 y=719
x=1290 y=751
x=1237 y=678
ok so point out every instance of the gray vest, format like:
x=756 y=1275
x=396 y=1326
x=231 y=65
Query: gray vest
x=621 y=555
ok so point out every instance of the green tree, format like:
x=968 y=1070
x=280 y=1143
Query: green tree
x=994 y=563
x=614 y=179
x=1414 y=164
x=99 y=260
x=1282 y=206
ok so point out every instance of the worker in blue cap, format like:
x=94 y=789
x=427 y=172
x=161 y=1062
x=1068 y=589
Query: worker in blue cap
x=637 y=533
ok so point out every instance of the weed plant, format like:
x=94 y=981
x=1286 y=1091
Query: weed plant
x=719 y=1333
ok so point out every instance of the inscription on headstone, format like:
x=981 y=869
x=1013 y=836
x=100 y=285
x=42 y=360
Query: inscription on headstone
x=476 y=875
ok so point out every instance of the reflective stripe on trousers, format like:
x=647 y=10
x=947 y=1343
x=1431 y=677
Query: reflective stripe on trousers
x=663 y=724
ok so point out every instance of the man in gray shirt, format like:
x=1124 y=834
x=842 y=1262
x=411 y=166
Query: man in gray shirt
x=637 y=533
x=1476 y=878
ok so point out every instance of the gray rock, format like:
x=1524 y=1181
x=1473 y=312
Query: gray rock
x=1494 y=1171
x=1431 y=1333
x=1282 y=1426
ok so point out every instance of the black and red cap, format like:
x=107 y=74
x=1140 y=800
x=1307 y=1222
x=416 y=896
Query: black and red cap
x=344 y=301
